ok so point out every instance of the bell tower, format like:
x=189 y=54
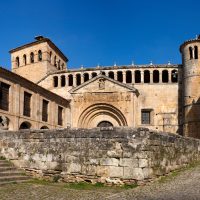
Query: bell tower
x=35 y=60
x=191 y=87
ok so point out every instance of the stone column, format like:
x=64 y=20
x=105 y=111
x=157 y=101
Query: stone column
x=74 y=80
x=142 y=76
x=115 y=75
x=82 y=78
x=90 y=76
x=160 y=76
x=124 y=76
x=169 y=76
x=133 y=76
x=151 y=77
x=67 y=81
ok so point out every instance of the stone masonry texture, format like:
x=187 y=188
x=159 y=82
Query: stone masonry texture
x=111 y=155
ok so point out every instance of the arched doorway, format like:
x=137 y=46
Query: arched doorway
x=105 y=124
x=44 y=127
x=25 y=125
x=96 y=115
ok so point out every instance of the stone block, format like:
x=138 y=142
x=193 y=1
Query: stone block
x=138 y=174
x=128 y=162
x=143 y=163
x=102 y=171
x=147 y=172
x=115 y=172
x=109 y=162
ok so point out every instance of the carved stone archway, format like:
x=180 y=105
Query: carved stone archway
x=96 y=113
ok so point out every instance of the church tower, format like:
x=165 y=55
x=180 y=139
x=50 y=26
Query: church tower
x=35 y=60
x=191 y=87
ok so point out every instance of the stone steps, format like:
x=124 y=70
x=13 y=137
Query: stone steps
x=10 y=174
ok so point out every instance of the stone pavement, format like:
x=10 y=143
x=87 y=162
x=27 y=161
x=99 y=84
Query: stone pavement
x=185 y=186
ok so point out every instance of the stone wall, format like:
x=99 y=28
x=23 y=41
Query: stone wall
x=98 y=155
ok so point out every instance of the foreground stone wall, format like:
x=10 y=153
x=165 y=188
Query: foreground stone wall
x=98 y=155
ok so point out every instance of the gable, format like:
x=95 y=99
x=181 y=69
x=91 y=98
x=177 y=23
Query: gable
x=102 y=84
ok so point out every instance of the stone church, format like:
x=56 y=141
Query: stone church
x=42 y=93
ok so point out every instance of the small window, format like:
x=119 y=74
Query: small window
x=24 y=59
x=156 y=76
x=128 y=77
x=137 y=76
x=94 y=74
x=165 y=76
x=32 y=57
x=70 y=80
x=60 y=117
x=17 y=61
x=39 y=55
x=145 y=115
x=119 y=76
x=27 y=104
x=45 y=110
x=174 y=76
x=111 y=74
x=59 y=65
x=50 y=55
x=86 y=77
x=191 y=52
x=55 y=61
x=55 y=81
x=146 y=76
x=63 y=81
x=195 y=52
x=4 y=96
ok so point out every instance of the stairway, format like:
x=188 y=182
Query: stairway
x=10 y=174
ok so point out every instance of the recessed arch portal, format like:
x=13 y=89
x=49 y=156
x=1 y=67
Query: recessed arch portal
x=94 y=114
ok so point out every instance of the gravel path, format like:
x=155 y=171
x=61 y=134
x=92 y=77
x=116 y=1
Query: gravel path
x=185 y=186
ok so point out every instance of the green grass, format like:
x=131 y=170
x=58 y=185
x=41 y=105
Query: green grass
x=84 y=186
x=2 y=158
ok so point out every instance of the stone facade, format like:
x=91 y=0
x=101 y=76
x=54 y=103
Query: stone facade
x=13 y=116
x=158 y=97
x=112 y=155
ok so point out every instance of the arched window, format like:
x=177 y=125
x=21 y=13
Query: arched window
x=105 y=124
x=55 y=61
x=191 y=52
x=103 y=73
x=24 y=59
x=86 y=77
x=78 y=79
x=146 y=76
x=59 y=65
x=137 y=76
x=70 y=80
x=111 y=74
x=50 y=56
x=165 y=76
x=32 y=57
x=62 y=66
x=25 y=125
x=120 y=76
x=63 y=81
x=39 y=55
x=174 y=76
x=156 y=76
x=195 y=52
x=55 y=81
x=17 y=61
x=94 y=74
x=128 y=77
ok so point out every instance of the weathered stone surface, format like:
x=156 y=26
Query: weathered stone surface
x=92 y=155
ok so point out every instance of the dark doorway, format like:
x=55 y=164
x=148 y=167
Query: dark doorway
x=105 y=124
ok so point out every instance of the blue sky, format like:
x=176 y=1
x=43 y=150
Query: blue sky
x=101 y=31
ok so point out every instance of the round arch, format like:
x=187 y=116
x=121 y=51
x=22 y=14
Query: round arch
x=25 y=125
x=44 y=127
x=94 y=114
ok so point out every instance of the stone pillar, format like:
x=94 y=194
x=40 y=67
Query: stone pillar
x=82 y=78
x=90 y=76
x=133 y=76
x=67 y=81
x=124 y=76
x=160 y=76
x=115 y=75
x=74 y=80
x=59 y=81
x=142 y=76
x=151 y=77
x=169 y=76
